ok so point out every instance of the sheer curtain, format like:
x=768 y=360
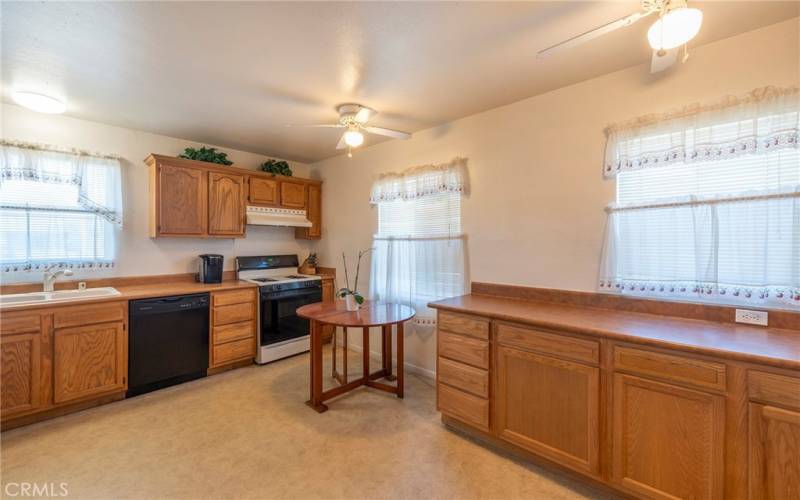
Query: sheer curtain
x=57 y=208
x=420 y=252
x=708 y=204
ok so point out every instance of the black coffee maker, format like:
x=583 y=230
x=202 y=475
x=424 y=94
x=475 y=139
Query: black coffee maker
x=210 y=268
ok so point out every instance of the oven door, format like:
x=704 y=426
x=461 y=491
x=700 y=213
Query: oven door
x=279 y=319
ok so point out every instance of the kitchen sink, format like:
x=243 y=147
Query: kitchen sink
x=58 y=296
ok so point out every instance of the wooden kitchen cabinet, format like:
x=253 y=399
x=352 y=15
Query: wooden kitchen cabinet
x=293 y=194
x=314 y=214
x=233 y=327
x=226 y=204
x=180 y=200
x=549 y=406
x=191 y=198
x=89 y=360
x=263 y=191
x=668 y=441
x=20 y=356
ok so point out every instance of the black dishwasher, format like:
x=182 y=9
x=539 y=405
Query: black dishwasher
x=167 y=342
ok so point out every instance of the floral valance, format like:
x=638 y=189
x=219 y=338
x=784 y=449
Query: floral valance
x=98 y=177
x=760 y=122
x=421 y=181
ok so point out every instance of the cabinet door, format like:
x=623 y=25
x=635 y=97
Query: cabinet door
x=774 y=451
x=89 y=360
x=225 y=204
x=549 y=406
x=182 y=201
x=314 y=213
x=263 y=191
x=293 y=194
x=668 y=441
x=20 y=390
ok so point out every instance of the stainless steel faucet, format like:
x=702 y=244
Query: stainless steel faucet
x=49 y=278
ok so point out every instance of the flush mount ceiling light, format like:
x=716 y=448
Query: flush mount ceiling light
x=675 y=28
x=676 y=25
x=38 y=102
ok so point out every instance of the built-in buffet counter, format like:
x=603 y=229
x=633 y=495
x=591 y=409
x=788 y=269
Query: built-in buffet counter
x=649 y=405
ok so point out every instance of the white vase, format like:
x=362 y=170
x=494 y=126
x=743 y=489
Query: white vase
x=350 y=303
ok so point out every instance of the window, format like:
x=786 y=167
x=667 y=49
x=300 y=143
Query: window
x=57 y=208
x=419 y=246
x=709 y=208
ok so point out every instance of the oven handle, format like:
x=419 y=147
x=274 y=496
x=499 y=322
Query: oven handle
x=291 y=294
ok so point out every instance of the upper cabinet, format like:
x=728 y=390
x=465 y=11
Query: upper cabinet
x=226 y=202
x=314 y=214
x=293 y=194
x=263 y=191
x=196 y=199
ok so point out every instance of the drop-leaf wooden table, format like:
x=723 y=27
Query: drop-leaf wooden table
x=371 y=314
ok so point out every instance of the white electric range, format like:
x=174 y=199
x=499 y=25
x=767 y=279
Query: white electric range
x=281 y=333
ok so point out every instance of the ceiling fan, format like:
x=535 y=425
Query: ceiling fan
x=676 y=25
x=354 y=118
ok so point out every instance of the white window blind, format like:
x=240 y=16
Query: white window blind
x=721 y=229
x=419 y=247
x=57 y=209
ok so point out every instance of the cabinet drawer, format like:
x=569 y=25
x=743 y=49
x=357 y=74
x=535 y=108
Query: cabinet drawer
x=104 y=312
x=233 y=331
x=234 y=313
x=671 y=367
x=562 y=346
x=465 y=349
x=233 y=351
x=464 y=377
x=233 y=297
x=463 y=324
x=773 y=388
x=465 y=407
x=12 y=323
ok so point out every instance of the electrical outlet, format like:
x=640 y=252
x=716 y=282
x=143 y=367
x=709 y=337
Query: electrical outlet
x=81 y=285
x=751 y=317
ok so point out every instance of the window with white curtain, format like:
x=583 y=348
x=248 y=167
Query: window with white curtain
x=57 y=208
x=419 y=249
x=708 y=204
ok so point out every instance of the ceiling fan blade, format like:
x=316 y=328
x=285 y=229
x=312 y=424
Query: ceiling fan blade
x=592 y=34
x=342 y=144
x=661 y=62
x=318 y=125
x=395 y=134
x=364 y=114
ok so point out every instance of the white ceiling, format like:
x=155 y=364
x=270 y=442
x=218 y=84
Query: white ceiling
x=234 y=74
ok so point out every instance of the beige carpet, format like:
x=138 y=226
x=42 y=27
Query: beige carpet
x=247 y=434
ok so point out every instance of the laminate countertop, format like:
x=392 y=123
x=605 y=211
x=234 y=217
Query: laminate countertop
x=773 y=346
x=141 y=291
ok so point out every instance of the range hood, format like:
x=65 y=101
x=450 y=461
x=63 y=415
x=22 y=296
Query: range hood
x=272 y=216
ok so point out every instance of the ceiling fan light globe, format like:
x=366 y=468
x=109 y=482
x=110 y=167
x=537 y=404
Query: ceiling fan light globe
x=353 y=138
x=675 y=28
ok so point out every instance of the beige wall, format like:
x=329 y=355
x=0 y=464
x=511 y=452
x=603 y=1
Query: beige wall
x=137 y=253
x=535 y=214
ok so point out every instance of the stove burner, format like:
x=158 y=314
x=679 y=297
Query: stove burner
x=264 y=280
x=295 y=277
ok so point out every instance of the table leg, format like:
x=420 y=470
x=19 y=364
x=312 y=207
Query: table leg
x=365 y=345
x=400 y=368
x=386 y=344
x=316 y=368
x=344 y=351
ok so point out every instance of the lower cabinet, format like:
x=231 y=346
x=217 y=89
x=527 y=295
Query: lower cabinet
x=89 y=360
x=57 y=356
x=668 y=441
x=233 y=327
x=549 y=406
x=774 y=449
x=20 y=357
